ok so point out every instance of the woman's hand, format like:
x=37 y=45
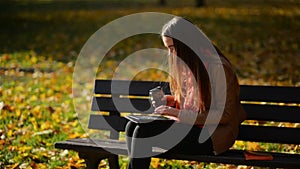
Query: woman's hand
x=167 y=100
x=166 y=110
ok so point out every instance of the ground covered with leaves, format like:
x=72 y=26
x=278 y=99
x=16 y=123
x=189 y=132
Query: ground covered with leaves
x=38 y=50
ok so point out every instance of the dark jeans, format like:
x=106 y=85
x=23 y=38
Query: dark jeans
x=174 y=137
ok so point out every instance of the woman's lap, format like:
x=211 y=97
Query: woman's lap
x=179 y=138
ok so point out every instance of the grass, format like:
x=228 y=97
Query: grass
x=37 y=111
x=260 y=37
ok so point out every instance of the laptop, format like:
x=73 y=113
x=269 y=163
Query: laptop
x=148 y=118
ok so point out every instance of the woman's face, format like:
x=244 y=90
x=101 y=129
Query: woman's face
x=169 y=44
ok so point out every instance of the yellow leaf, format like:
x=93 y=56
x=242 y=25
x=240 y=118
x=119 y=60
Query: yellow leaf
x=43 y=96
x=46 y=125
x=24 y=149
x=253 y=146
x=155 y=162
x=25 y=154
x=75 y=135
x=239 y=144
x=56 y=117
x=18 y=112
x=50 y=92
x=33 y=98
x=41 y=166
x=19 y=88
x=33 y=59
x=9 y=133
x=36 y=110
x=13 y=166
x=34 y=123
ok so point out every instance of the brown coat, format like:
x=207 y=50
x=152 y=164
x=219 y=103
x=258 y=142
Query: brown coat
x=226 y=113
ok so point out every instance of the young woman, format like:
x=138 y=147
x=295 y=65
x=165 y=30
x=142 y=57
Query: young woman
x=193 y=100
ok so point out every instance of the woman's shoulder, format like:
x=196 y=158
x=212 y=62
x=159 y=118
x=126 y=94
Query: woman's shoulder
x=218 y=62
x=219 y=68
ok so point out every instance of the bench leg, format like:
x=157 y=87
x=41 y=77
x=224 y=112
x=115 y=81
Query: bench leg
x=92 y=163
x=113 y=162
x=91 y=160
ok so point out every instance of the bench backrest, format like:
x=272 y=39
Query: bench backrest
x=262 y=104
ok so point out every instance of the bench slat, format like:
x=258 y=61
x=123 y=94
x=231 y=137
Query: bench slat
x=284 y=94
x=270 y=93
x=103 y=122
x=121 y=87
x=269 y=134
x=123 y=105
x=247 y=132
x=254 y=111
x=272 y=113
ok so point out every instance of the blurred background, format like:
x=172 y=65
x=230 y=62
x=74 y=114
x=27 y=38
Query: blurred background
x=41 y=39
x=261 y=37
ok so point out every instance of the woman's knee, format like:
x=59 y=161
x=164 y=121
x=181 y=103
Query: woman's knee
x=129 y=129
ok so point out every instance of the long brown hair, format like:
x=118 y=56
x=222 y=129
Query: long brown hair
x=196 y=66
x=193 y=62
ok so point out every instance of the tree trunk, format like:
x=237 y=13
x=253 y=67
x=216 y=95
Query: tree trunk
x=200 y=3
x=162 y=2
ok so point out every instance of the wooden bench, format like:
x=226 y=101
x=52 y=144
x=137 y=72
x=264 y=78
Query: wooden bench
x=262 y=103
